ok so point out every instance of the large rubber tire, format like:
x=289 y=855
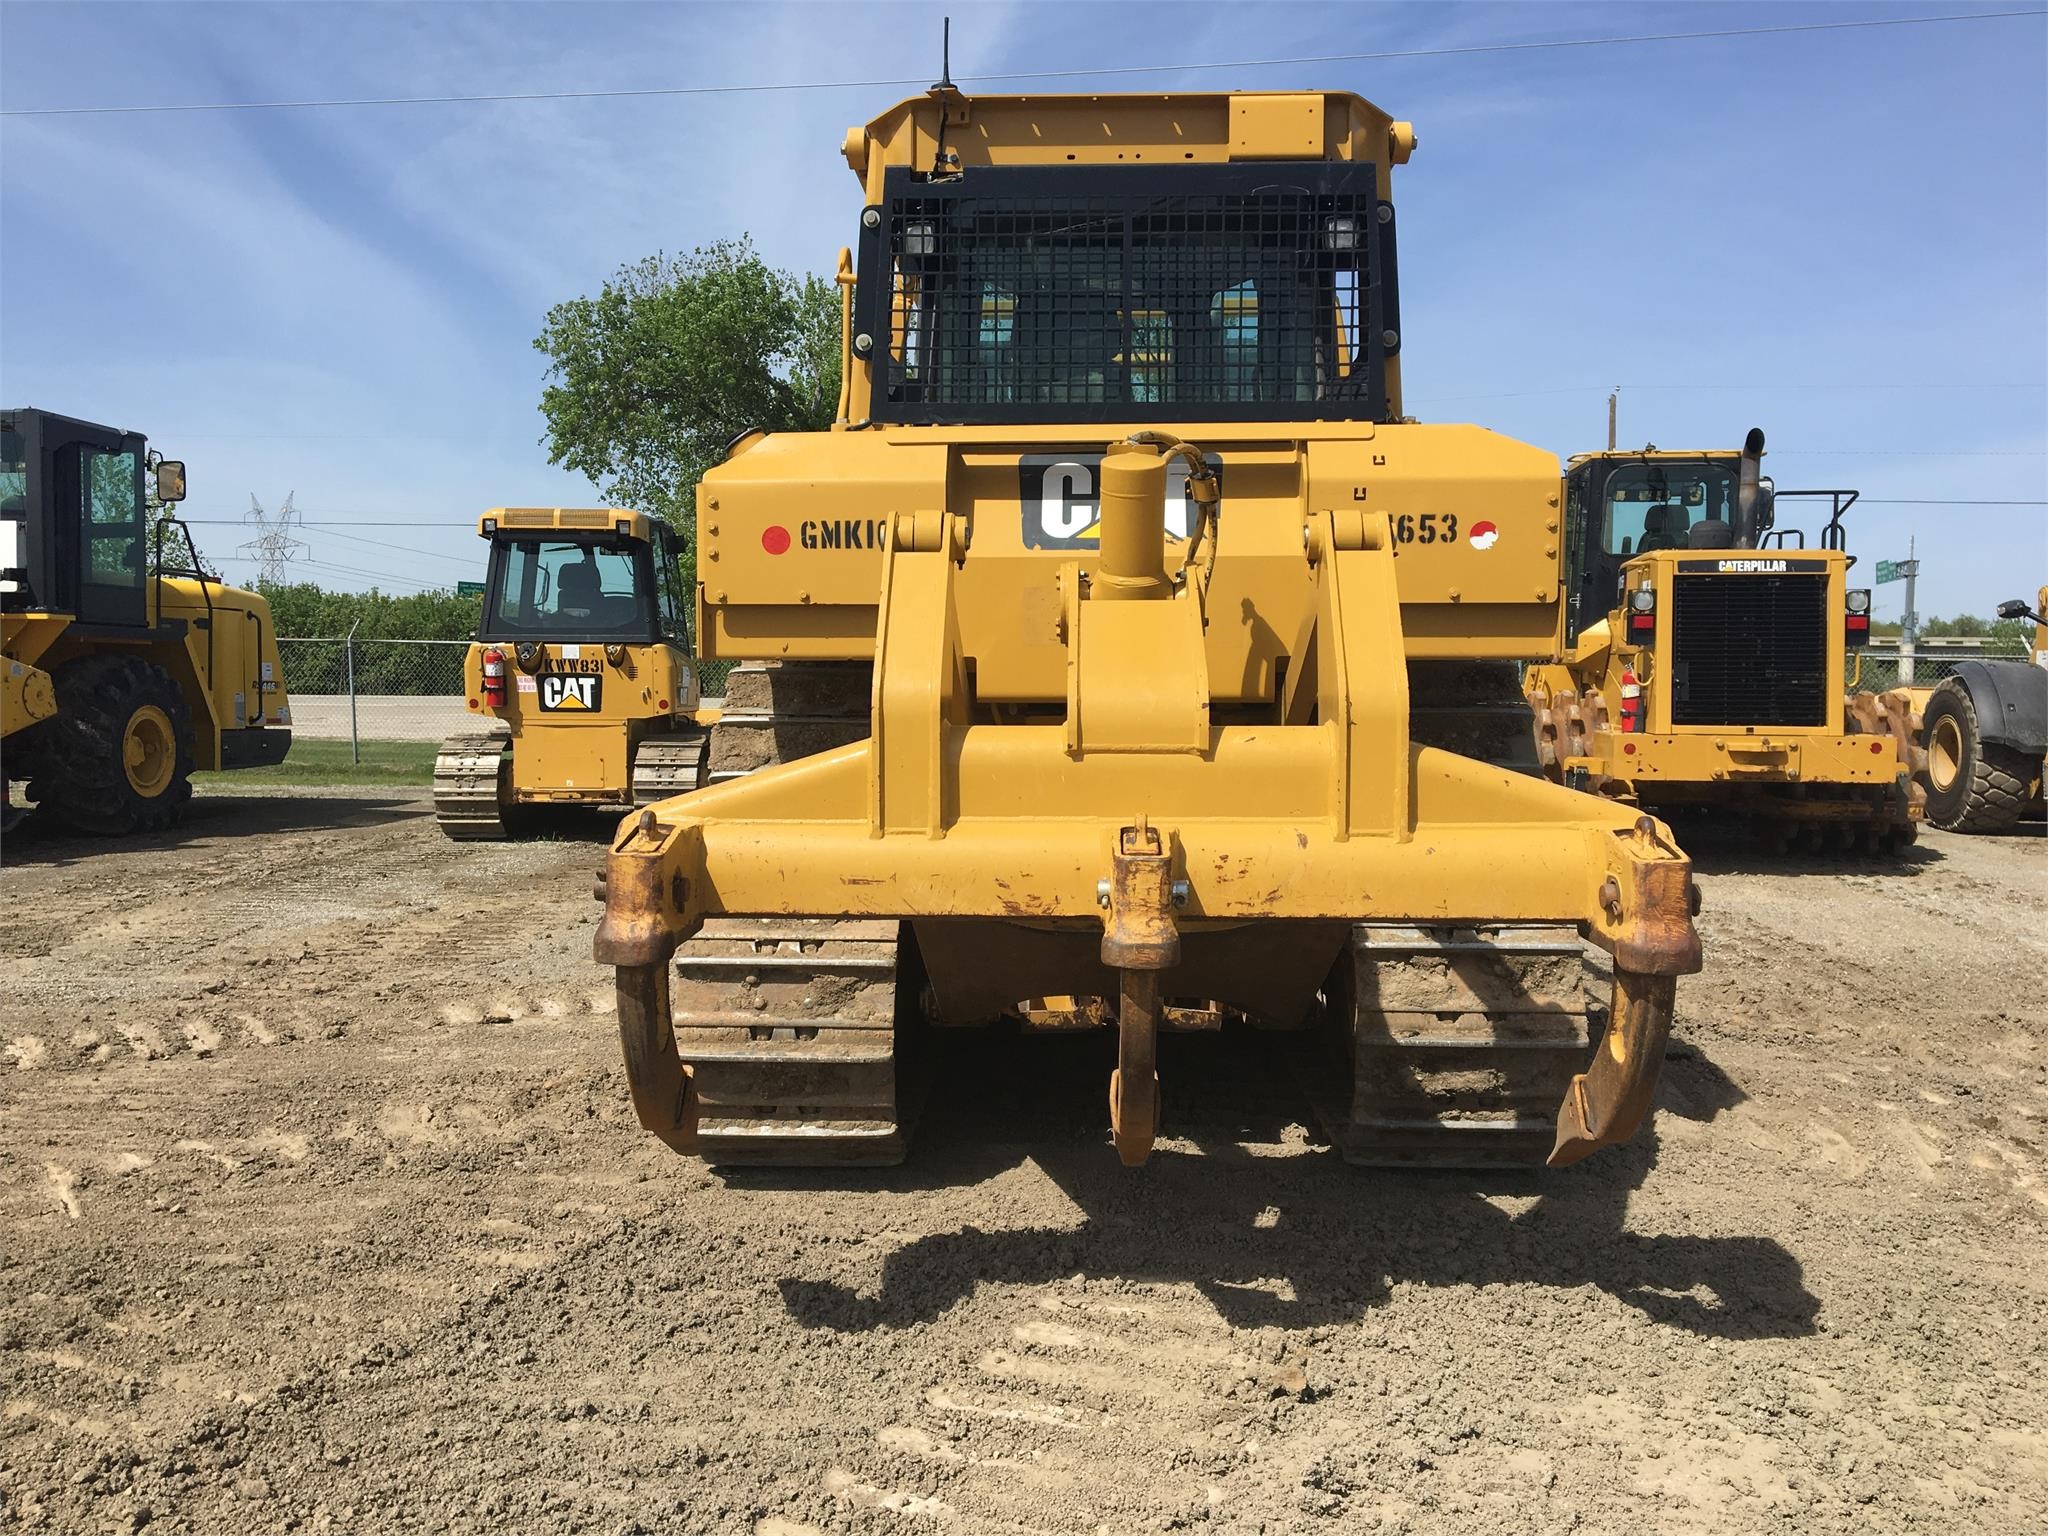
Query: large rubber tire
x=117 y=757
x=1972 y=785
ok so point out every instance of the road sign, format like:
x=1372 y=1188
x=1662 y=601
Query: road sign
x=1887 y=570
x=476 y=588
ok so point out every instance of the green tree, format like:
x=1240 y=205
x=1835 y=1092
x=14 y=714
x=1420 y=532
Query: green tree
x=653 y=377
x=2001 y=637
x=304 y=609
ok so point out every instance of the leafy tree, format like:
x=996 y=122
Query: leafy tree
x=2002 y=637
x=673 y=358
x=305 y=609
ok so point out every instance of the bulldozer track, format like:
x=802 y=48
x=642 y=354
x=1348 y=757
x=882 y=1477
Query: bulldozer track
x=468 y=784
x=666 y=766
x=1460 y=1040
x=788 y=1029
x=788 y=1026
x=776 y=712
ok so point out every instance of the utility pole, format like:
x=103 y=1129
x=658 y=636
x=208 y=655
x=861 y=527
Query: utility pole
x=1612 y=397
x=1909 y=621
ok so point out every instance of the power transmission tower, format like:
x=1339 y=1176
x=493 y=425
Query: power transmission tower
x=274 y=545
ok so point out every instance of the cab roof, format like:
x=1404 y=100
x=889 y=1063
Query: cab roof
x=613 y=520
x=1155 y=128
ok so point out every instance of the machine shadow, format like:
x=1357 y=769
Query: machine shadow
x=1730 y=848
x=1274 y=1230
x=217 y=816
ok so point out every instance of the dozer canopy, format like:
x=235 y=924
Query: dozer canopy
x=1145 y=259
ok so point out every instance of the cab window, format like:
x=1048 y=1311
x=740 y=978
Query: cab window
x=13 y=474
x=1654 y=506
x=572 y=589
x=114 y=554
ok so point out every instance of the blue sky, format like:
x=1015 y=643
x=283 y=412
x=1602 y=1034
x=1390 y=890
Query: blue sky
x=1839 y=236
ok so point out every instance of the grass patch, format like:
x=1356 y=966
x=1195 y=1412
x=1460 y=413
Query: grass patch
x=330 y=762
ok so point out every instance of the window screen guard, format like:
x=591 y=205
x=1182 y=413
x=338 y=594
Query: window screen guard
x=1243 y=292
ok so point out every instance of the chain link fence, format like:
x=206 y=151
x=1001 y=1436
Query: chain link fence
x=347 y=688
x=1878 y=668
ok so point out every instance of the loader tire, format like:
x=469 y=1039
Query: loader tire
x=1476 y=709
x=1972 y=785
x=117 y=756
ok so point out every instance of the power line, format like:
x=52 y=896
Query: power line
x=1041 y=74
x=1422 y=393
x=406 y=549
x=1911 y=453
x=352 y=570
x=411 y=522
x=1760 y=385
x=1939 y=501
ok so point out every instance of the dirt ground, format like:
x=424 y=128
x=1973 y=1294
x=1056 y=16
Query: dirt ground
x=321 y=1209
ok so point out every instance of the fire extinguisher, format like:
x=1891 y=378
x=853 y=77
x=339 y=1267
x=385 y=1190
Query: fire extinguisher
x=1631 y=701
x=494 y=678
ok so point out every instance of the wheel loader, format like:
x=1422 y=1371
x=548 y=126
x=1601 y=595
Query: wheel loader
x=581 y=674
x=1115 y=570
x=1976 y=739
x=1704 y=655
x=127 y=665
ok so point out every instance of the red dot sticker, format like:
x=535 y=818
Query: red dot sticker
x=775 y=539
x=1483 y=535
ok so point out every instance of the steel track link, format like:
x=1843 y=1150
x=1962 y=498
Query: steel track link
x=670 y=765
x=469 y=776
x=788 y=1026
x=788 y=1029
x=1459 y=1041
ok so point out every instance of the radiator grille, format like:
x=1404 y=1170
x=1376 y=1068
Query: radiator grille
x=1749 y=650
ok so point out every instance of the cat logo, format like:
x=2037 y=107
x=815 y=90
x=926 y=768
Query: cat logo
x=562 y=691
x=1061 y=510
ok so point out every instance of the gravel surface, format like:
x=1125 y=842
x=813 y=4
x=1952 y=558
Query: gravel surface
x=321 y=1209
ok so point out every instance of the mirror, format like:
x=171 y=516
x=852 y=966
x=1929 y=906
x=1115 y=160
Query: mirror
x=170 y=480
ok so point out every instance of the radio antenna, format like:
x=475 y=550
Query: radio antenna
x=945 y=80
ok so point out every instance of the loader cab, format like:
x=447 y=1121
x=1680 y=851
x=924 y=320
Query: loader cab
x=1620 y=506
x=618 y=583
x=74 y=519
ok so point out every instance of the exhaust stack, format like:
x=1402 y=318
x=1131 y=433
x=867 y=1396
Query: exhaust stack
x=1748 y=493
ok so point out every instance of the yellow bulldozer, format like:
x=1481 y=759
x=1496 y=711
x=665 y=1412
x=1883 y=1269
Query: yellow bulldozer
x=1704 y=656
x=581 y=671
x=127 y=665
x=1123 y=556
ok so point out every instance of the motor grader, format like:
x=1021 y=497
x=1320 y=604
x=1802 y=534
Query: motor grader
x=581 y=670
x=1704 y=655
x=127 y=666
x=1118 y=559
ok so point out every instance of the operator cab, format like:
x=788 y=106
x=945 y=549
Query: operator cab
x=551 y=580
x=74 y=504
x=1618 y=506
x=1014 y=294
